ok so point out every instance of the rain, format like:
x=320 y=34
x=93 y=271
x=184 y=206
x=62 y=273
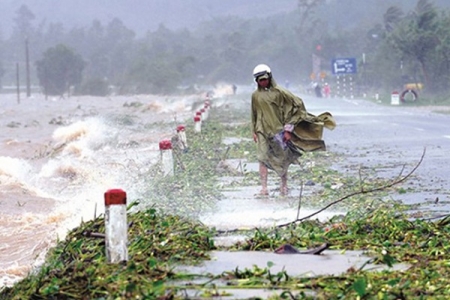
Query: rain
x=91 y=91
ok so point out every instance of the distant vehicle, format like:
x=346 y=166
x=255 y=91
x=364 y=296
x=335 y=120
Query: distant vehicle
x=411 y=92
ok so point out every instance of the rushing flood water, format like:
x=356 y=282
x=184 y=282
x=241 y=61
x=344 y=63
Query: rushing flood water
x=59 y=156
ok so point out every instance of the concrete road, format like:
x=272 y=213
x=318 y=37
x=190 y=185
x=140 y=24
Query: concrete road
x=384 y=137
x=371 y=138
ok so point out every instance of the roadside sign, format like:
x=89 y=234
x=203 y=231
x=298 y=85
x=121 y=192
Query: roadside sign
x=395 y=98
x=343 y=66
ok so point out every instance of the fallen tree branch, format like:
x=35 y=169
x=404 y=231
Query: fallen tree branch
x=94 y=235
x=398 y=180
x=362 y=191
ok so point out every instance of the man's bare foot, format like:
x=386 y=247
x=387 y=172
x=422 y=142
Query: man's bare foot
x=264 y=192
x=284 y=191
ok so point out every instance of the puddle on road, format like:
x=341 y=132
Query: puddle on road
x=240 y=209
x=331 y=262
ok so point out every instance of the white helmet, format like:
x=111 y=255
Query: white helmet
x=260 y=70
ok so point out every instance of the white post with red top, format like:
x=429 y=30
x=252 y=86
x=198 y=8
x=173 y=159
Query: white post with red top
x=116 y=227
x=395 y=98
x=199 y=114
x=204 y=113
x=165 y=147
x=182 y=141
x=197 y=124
x=207 y=107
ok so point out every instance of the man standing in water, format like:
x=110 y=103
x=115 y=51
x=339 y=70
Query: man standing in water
x=282 y=128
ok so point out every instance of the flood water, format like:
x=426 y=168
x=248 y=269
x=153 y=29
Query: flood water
x=330 y=262
x=59 y=156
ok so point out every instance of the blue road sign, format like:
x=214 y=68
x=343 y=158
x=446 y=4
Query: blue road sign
x=343 y=66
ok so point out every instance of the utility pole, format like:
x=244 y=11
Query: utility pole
x=18 y=83
x=27 y=59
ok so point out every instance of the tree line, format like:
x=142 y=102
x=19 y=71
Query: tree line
x=398 y=48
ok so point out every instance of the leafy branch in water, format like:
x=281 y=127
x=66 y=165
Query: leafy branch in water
x=396 y=181
x=76 y=268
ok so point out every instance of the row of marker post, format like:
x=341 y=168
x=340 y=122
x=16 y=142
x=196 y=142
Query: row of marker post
x=116 y=227
x=166 y=147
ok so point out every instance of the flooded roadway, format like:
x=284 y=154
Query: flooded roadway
x=368 y=135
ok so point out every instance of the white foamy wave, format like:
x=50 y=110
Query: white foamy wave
x=82 y=137
x=58 y=168
x=14 y=168
x=171 y=106
x=71 y=174
x=222 y=89
x=20 y=173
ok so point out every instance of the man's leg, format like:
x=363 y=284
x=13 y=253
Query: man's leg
x=283 y=186
x=263 y=177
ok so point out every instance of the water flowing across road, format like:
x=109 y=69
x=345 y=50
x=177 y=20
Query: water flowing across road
x=59 y=156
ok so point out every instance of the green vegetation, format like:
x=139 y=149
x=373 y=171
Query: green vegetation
x=76 y=268
x=383 y=229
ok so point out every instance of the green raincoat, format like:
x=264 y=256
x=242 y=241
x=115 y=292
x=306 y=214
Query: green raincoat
x=274 y=107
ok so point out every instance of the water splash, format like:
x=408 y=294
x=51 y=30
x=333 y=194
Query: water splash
x=98 y=145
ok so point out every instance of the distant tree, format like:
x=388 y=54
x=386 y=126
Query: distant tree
x=59 y=69
x=23 y=22
x=95 y=50
x=416 y=37
x=160 y=63
x=118 y=49
x=392 y=17
x=54 y=34
x=306 y=10
x=153 y=74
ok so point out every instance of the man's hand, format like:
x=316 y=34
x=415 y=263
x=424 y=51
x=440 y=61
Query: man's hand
x=287 y=136
x=288 y=128
x=255 y=137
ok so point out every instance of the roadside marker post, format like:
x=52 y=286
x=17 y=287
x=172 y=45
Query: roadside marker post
x=165 y=147
x=204 y=114
x=199 y=114
x=182 y=141
x=197 y=124
x=207 y=108
x=116 y=227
